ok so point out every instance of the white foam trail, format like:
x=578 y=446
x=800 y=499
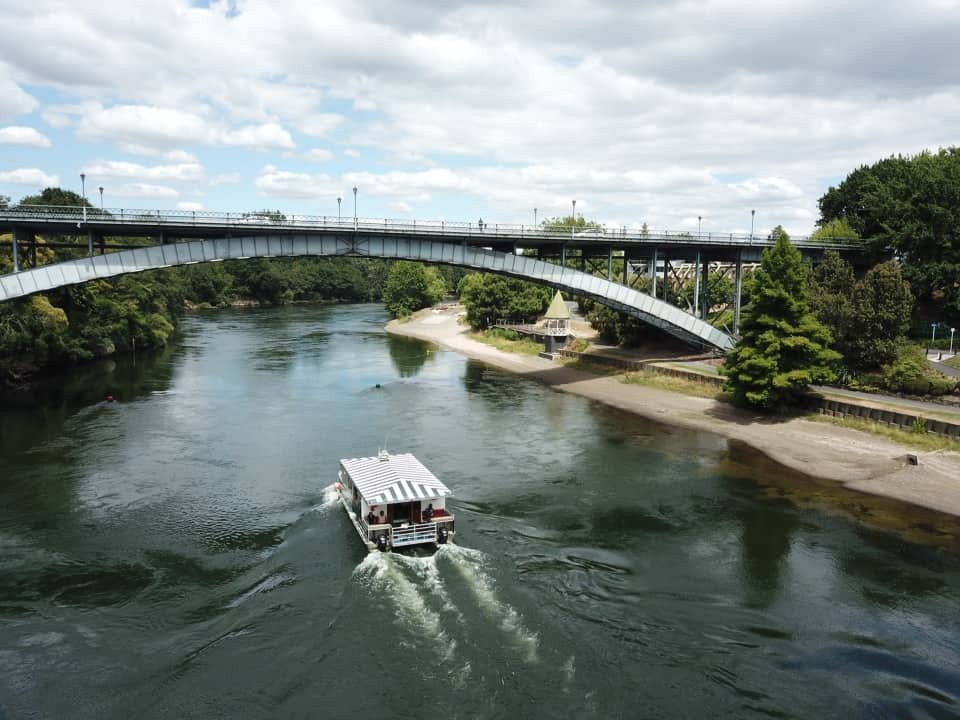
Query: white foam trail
x=264 y=586
x=428 y=572
x=412 y=610
x=469 y=563
x=569 y=670
x=330 y=498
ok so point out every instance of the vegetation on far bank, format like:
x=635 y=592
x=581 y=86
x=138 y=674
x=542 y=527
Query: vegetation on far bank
x=508 y=341
x=918 y=439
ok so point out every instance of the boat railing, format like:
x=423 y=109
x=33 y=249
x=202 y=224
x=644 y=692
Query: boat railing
x=413 y=534
x=409 y=535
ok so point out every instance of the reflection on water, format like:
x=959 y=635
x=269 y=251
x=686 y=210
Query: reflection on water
x=182 y=547
x=408 y=356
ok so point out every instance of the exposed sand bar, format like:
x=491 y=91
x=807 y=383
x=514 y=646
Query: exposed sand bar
x=858 y=460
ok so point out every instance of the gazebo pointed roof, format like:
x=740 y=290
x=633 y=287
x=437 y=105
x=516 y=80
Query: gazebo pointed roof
x=558 y=309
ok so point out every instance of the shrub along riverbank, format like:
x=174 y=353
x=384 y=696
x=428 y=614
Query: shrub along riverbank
x=103 y=317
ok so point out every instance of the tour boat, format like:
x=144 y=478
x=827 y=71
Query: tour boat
x=394 y=501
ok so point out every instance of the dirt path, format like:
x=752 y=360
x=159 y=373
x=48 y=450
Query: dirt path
x=858 y=460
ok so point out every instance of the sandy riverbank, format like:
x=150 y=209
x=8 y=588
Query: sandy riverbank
x=857 y=460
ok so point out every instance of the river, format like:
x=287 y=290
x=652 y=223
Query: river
x=176 y=553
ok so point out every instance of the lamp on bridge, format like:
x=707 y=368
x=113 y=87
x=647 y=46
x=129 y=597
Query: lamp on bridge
x=101 y=198
x=753 y=214
x=354 y=205
x=534 y=217
x=338 y=208
x=699 y=221
x=83 y=193
x=574 y=210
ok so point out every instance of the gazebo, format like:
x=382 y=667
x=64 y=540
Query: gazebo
x=556 y=323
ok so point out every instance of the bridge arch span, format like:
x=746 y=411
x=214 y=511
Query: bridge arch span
x=648 y=309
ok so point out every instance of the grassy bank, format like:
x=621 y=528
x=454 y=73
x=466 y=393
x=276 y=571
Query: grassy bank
x=508 y=342
x=914 y=440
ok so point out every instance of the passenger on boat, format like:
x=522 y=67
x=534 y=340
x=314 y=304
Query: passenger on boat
x=428 y=513
x=371 y=518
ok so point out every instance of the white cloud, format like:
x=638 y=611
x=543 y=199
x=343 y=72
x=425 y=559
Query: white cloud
x=183 y=172
x=319 y=124
x=641 y=111
x=286 y=184
x=269 y=135
x=189 y=205
x=142 y=124
x=141 y=127
x=400 y=206
x=179 y=156
x=29 y=176
x=15 y=100
x=318 y=155
x=226 y=179
x=18 y=135
x=144 y=190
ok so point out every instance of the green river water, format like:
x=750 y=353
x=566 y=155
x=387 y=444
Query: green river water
x=177 y=553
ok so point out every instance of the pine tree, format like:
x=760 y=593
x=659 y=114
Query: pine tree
x=783 y=348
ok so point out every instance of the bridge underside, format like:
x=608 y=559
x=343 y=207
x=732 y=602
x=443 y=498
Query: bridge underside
x=632 y=302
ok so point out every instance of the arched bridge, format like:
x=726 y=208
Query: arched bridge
x=187 y=237
x=656 y=312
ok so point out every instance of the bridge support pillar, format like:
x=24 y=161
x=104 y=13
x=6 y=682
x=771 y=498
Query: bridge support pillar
x=738 y=270
x=626 y=268
x=696 y=285
x=666 y=278
x=563 y=255
x=653 y=273
x=705 y=283
x=16 y=252
x=92 y=237
x=610 y=264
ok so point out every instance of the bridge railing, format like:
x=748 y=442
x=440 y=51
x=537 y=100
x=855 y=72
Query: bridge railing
x=91 y=218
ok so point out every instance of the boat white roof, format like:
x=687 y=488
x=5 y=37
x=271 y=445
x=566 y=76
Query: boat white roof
x=386 y=479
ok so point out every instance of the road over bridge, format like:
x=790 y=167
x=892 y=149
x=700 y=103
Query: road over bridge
x=120 y=241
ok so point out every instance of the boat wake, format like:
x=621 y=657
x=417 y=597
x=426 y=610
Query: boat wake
x=330 y=498
x=385 y=576
x=420 y=589
x=470 y=565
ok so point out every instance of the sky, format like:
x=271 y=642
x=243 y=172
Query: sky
x=673 y=114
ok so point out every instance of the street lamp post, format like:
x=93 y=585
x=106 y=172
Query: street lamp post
x=338 y=208
x=753 y=214
x=83 y=193
x=699 y=222
x=574 y=202
x=354 y=207
x=534 y=217
x=951 y=340
x=933 y=335
x=101 y=198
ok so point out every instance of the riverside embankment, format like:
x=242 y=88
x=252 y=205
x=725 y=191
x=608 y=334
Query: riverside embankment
x=857 y=460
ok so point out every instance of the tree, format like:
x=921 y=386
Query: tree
x=570 y=223
x=836 y=229
x=783 y=348
x=882 y=306
x=4 y=202
x=489 y=298
x=56 y=196
x=412 y=286
x=910 y=206
x=832 y=293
